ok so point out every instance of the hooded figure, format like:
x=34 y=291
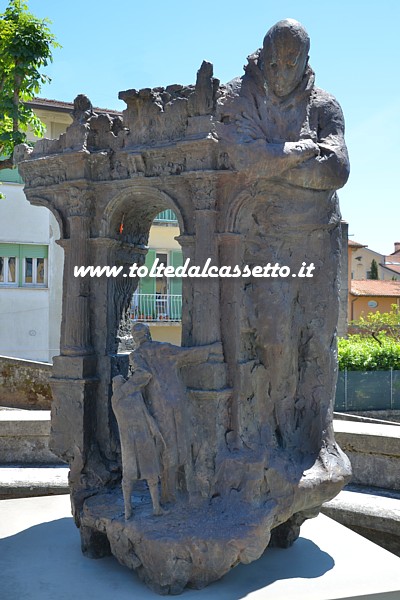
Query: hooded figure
x=287 y=137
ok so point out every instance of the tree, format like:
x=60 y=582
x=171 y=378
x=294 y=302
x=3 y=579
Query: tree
x=378 y=325
x=26 y=45
x=373 y=274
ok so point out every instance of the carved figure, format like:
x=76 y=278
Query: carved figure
x=288 y=128
x=166 y=395
x=275 y=122
x=141 y=441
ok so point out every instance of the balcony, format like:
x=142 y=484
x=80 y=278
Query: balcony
x=156 y=308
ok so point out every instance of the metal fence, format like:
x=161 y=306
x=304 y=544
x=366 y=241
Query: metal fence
x=368 y=390
x=156 y=307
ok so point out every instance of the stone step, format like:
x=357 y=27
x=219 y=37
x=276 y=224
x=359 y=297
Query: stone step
x=373 y=450
x=24 y=437
x=23 y=481
x=372 y=512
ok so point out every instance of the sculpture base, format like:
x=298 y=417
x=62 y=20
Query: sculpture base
x=187 y=546
x=194 y=544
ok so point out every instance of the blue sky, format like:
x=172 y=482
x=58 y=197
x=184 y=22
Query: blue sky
x=355 y=52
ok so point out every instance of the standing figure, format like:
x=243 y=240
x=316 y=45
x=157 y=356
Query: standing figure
x=166 y=396
x=141 y=441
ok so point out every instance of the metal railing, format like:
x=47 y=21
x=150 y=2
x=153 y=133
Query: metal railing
x=368 y=390
x=166 y=216
x=156 y=307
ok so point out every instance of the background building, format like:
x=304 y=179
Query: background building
x=31 y=262
x=362 y=257
x=372 y=296
x=158 y=301
x=31 y=265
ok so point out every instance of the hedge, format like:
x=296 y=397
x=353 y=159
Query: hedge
x=359 y=353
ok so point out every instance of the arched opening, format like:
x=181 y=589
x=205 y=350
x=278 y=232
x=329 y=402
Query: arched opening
x=157 y=301
x=146 y=225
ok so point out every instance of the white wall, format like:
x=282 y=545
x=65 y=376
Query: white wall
x=30 y=317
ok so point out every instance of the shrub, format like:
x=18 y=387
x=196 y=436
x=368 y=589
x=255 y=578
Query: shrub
x=359 y=353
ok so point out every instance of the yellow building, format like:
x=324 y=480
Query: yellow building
x=372 y=296
x=158 y=301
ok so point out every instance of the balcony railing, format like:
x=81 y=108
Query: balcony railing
x=166 y=216
x=160 y=308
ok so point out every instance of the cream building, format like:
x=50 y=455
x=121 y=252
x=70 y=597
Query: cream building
x=31 y=266
x=361 y=258
x=30 y=260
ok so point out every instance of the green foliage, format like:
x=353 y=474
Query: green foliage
x=26 y=45
x=376 y=346
x=379 y=325
x=374 y=270
x=360 y=353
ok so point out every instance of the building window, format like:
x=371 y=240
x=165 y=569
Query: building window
x=8 y=270
x=34 y=271
x=23 y=265
x=159 y=298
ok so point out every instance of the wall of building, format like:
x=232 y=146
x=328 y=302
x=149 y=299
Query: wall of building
x=361 y=259
x=30 y=318
x=56 y=122
x=166 y=333
x=162 y=237
x=359 y=305
x=360 y=264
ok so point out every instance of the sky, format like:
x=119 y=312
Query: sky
x=355 y=51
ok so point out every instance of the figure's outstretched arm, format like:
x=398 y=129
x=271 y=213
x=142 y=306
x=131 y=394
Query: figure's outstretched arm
x=272 y=159
x=197 y=354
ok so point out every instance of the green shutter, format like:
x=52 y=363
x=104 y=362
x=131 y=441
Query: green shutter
x=148 y=286
x=176 y=282
x=33 y=251
x=176 y=286
x=9 y=250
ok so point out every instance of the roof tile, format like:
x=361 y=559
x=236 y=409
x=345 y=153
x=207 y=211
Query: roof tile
x=373 y=287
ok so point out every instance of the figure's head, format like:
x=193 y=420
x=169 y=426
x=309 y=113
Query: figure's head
x=285 y=56
x=141 y=333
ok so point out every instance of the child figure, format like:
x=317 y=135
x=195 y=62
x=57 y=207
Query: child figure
x=141 y=441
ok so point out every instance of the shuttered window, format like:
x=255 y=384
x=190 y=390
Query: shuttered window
x=23 y=265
